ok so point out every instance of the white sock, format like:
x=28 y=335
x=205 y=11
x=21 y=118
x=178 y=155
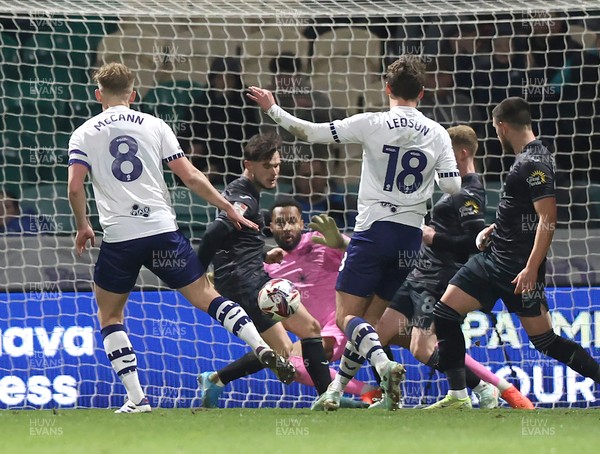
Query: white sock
x=336 y=384
x=235 y=320
x=120 y=353
x=458 y=393
x=503 y=385
x=350 y=364
x=216 y=380
x=366 y=342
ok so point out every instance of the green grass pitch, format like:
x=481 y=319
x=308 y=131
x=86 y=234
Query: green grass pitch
x=300 y=431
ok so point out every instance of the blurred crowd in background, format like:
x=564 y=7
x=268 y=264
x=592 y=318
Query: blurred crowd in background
x=194 y=76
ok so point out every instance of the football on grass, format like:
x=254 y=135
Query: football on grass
x=279 y=299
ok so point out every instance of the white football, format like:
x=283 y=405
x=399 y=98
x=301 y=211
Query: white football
x=279 y=298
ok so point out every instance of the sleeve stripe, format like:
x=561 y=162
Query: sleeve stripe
x=334 y=132
x=449 y=174
x=78 y=152
x=175 y=156
x=79 y=161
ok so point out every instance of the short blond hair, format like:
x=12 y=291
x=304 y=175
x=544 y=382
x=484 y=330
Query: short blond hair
x=464 y=137
x=114 y=79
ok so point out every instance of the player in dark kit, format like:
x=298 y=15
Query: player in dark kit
x=238 y=258
x=448 y=241
x=513 y=264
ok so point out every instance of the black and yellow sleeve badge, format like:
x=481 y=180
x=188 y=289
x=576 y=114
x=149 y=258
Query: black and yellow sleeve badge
x=469 y=208
x=536 y=178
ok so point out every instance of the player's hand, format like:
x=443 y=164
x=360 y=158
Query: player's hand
x=238 y=220
x=327 y=227
x=275 y=255
x=82 y=237
x=264 y=98
x=484 y=237
x=525 y=281
x=428 y=234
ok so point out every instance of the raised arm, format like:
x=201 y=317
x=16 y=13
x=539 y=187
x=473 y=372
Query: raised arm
x=302 y=129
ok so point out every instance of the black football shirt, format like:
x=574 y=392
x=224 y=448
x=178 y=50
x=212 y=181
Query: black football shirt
x=453 y=216
x=238 y=264
x=530 y=178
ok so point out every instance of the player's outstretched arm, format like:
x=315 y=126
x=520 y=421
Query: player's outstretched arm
x=304 y=130
x=77 y=200
x=197 y=182
x=327 y=227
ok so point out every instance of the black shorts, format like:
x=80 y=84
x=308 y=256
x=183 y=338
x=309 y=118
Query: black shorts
x=415 y=300
x=249 y=302
x=485 y=281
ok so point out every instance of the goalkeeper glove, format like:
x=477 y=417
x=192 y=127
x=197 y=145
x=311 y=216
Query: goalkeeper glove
x=327 y=227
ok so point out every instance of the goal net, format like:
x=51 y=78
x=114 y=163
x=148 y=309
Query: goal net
x=323 y=60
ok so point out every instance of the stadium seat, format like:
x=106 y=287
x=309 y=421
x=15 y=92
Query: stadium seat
x=50 y=201
x=347 y=50
x=15 y=166
x=193 y=213
x=172 y=102
x=340 y=68
x=57 y=49
x=11 y=60
x=192 y=50
x=82 y=105
x=374 y=98
x=270 y=42
x=92 y=28
x=141 y=48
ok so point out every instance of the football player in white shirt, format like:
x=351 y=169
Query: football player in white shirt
x=403 y=151
x=123 y=151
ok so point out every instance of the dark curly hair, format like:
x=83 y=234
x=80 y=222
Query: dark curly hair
x=406 y=77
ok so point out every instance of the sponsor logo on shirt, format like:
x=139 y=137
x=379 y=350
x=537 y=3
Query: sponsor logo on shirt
x=469 y=208
x=137 y=210
x=240 y=208
x=393 y=208
x=536 y=178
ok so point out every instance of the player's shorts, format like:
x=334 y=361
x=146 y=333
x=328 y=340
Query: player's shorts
x=249 y=302
x=330 y=329
x=378 y=260
x=415 y=300
x=168 y=255
x=485 y=281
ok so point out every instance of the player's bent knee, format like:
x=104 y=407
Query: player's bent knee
x=443 y=312
x=311 y=328
x=199 y=293
x=542 y=342
x=421 y=352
